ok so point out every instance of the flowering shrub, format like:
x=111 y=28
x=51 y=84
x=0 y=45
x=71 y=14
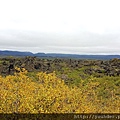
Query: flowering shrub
x=49 y=94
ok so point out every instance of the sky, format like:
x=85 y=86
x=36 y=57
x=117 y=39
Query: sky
x=60 y=26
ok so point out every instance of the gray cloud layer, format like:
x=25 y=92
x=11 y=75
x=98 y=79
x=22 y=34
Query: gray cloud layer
x=64 y=26
x=82 y=43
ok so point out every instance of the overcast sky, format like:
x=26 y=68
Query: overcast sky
x=60 y=26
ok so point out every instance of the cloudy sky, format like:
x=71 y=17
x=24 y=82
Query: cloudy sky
x=60 y=26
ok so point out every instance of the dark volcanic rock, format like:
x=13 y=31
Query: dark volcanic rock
x=91 y=67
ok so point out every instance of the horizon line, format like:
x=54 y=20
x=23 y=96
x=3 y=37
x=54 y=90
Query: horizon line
x=59 y=52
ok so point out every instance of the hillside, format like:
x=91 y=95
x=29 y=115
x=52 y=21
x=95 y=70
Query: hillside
x=33 y=85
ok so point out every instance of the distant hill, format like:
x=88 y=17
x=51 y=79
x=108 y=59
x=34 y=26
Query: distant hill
x=55 y=55
x=15 y=53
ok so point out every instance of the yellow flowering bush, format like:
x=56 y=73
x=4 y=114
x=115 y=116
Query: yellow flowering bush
x=19 y=93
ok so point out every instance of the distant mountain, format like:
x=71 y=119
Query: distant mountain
x=55 y=55
x=15 y=53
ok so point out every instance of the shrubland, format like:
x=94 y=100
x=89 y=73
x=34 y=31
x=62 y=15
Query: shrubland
x=41 y=92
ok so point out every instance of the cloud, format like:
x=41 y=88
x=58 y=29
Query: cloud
x=85 y=43
x=66 y=26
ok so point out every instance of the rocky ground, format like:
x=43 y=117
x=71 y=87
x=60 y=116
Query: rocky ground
x=99 y=67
